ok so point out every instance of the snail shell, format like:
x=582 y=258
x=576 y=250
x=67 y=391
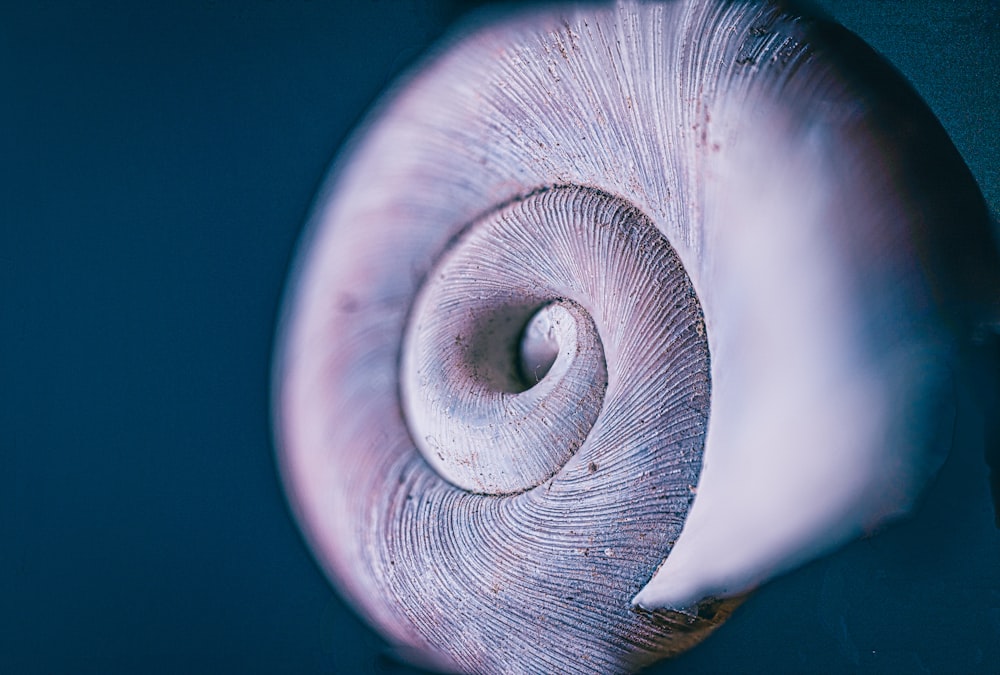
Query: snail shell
x=617 y=310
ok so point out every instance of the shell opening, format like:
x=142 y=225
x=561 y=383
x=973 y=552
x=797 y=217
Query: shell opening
x=540 y=343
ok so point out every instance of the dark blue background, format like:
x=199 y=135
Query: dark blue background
x=158 y=162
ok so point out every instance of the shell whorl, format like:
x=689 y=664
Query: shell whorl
x=598 y=438
x=645 y=203
x=467 y=406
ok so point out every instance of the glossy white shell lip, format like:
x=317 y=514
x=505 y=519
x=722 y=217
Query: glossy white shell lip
x=824 y=423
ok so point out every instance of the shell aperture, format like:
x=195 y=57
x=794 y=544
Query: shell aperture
x=714 y=211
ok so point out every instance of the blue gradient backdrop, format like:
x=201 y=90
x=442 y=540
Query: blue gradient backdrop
x=158 y=162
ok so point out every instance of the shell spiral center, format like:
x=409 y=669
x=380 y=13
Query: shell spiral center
x=504 y=363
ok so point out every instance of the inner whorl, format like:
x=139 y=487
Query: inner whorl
x=597 y=462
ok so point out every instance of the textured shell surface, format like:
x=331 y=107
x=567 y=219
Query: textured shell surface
x=611 y=313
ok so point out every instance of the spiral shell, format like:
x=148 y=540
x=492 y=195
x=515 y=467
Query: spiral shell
x=591 y=262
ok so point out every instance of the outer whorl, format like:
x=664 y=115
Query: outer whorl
x=592 y=261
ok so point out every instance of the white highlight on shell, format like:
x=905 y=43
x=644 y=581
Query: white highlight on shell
x=542 y=343
x=822 y=426
x=711 y=198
